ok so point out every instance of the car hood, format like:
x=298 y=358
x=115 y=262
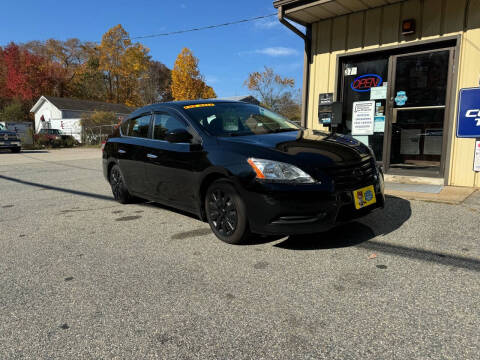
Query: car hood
x=307 y=146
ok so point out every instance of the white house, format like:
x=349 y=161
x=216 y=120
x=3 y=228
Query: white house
x=65 y=113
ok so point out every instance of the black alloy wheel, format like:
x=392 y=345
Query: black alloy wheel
x=222 y=212
x=226 y=213
x=119 y=189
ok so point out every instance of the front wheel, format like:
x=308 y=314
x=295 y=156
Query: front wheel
x=119 y=188
x=226 y=213
x=16 y=149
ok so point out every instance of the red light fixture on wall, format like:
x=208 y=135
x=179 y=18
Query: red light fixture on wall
x=408 y=27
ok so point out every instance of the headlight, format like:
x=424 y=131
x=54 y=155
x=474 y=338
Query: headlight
x=279 y=171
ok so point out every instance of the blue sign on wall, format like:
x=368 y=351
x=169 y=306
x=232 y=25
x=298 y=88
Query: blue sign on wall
x=468 y=123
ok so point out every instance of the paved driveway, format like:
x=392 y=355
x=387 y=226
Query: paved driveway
x=84 y=277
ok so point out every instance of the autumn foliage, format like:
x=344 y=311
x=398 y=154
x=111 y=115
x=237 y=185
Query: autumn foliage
x=187 y=81
x=123 y=64
x=117 y=70
x=24 y=75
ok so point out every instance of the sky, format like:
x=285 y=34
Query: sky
x=227 y=54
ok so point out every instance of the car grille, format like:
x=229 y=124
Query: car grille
x=353 y=176
x=7 y=137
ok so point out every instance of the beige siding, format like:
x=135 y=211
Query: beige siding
x=379 y=28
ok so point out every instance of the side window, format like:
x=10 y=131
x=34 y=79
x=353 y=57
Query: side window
x=124 y=127
x=163 y=123
x=139 y=127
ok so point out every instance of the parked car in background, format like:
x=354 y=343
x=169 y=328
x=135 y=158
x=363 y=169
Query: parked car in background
x=9 y=140
x=242 y=168
x=54 y=137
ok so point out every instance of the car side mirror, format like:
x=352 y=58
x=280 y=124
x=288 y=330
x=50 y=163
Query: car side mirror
x=178 y=136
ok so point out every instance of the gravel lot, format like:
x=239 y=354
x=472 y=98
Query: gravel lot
x=82 y=277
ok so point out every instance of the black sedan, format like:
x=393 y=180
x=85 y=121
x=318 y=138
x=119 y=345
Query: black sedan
x=242 y=168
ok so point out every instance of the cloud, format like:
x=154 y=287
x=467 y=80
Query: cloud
x=267 y=23
x=277 y=51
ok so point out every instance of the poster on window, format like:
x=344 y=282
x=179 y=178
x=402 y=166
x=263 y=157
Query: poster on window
x=432 y=144
x=410 y=141
x=363 y=117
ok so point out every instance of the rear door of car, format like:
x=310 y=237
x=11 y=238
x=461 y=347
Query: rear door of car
x=169 y=169
x=131 y=152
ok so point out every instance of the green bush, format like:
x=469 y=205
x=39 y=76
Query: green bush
x=69 y=142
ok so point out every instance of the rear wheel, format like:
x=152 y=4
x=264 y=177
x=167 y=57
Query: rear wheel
x=16 y=149
x=119 y=188
x=226 y=213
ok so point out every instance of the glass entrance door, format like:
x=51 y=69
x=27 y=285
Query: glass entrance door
x=418 y=102
x=359 y=77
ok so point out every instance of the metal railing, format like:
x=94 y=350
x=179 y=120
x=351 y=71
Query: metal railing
x=94 y=135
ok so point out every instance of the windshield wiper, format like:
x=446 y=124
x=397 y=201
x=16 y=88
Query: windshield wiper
x=284 y=130
x=235 y=134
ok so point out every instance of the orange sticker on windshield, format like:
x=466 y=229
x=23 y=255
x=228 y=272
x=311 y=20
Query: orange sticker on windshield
x=197 y=106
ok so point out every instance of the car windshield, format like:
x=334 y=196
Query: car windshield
x=237 y=119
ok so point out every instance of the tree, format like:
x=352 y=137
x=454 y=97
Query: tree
x=187 y=81
x=79 y=66
x=89 y=81
x=271 y=88
x=26 y=75
x=122 y=64
x=155 y=86
x=290 y=105
x=13 y=112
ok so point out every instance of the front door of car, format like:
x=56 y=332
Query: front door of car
x=169 y=167
x=131 y=152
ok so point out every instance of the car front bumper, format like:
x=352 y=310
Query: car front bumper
x=276 y=209
x=9 y=144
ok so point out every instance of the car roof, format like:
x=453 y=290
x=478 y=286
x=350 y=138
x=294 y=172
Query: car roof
x=180 y=105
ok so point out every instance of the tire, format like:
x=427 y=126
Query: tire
x=119 y=188
x=226 y=213
x=16 y=149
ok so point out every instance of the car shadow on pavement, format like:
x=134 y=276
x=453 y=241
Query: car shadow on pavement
x=345 y=235
x=155 y=205
x=379 y=222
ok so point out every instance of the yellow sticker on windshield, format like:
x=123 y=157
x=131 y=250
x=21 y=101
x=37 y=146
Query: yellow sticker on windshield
x=197 y=106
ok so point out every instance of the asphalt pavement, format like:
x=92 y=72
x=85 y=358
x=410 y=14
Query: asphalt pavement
x=82 y=277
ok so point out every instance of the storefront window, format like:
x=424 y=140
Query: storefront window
x=359 y=78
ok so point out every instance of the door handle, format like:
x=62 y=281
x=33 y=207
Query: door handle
x=120 y=151
x=151 y=156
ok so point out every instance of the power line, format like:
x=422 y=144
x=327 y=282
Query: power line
x=204 y=27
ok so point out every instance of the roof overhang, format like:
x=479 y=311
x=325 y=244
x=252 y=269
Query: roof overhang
x=38 y=104
x=310 y=11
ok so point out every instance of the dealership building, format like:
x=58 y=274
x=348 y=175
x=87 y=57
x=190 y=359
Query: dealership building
x=399 y=75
